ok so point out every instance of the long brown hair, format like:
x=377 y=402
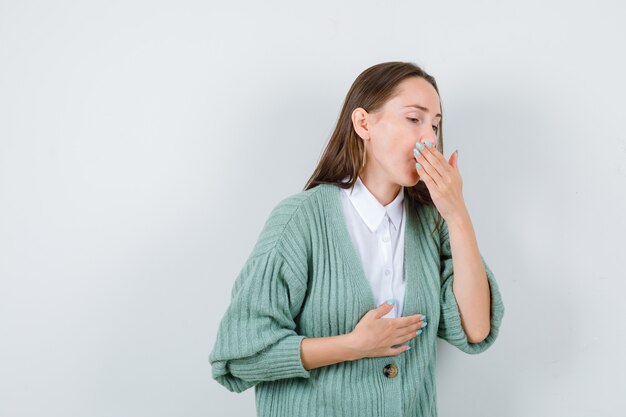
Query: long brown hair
x=343 y=155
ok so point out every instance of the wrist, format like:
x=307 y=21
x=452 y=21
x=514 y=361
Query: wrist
x=459 y=218
x=351 y=346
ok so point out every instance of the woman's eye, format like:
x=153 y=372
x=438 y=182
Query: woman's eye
x=412 y=119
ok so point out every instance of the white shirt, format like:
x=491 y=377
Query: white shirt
x=378 y=235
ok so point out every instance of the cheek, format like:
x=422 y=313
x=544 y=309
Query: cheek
x=391 y=150
x=390 y=143
x=400 y=150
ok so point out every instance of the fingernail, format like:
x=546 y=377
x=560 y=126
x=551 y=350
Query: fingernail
x=424 y=324
x=419 y=332
x=409 y=348
x=424 y=317
x=419 y=146
x=391 y=301
x=427 y=143
x=418 y=166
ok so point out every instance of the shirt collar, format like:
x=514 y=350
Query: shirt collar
x=370 y=209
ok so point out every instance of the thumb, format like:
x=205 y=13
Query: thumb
x=385 y=308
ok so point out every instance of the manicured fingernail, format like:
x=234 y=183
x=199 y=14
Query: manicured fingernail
x=418 y=166
x=424 y=324
x=391 y=301
x=419 y=332
x=409 y=348
x=427 y=142
x=419 y=146
x=416 y=152
x=423 y=317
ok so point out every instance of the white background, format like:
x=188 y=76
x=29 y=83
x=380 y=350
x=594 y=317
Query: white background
x=144 y=143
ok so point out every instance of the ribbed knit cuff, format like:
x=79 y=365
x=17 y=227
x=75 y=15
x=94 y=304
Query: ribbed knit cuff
x=281 y=360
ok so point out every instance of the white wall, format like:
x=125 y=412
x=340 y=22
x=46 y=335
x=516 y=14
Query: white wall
x=143 y=145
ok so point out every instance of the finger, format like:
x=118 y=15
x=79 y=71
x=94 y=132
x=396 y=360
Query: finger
x=393 y=351
x=408 y=336
x=421 y=326
x=437 y=154
x=424 y=176
x=447 y=170
x=422 y=160
x=414 y=330
x=437 y=169
x=404 y=322
x=383 y=309
x=454 y=159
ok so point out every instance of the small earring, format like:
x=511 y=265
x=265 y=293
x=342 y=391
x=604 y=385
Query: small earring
x=363 y=156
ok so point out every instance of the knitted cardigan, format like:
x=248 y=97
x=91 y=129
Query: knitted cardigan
x=304 y=278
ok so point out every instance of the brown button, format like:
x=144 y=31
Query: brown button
x=390 y=370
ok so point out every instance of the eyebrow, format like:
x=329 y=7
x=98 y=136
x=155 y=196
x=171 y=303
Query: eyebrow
x=422 y=108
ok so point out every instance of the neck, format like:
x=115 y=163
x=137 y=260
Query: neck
x=384 y=190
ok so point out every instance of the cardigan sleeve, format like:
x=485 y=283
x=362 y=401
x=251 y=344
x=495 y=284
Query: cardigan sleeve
x=450 y=328
x=256 y=339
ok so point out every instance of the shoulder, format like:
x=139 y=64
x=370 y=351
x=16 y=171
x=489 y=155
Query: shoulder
x=295 y=204
x=299 y=207
x=289 y=222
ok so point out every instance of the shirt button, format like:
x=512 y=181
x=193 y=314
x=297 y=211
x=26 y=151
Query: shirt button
x=387 y=272
x=390 y=370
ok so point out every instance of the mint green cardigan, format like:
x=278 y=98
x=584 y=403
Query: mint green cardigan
x=304 y=279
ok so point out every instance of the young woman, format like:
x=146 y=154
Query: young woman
x=381 y=218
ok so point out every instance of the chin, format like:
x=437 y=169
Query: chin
x=411 y=180
x=408 y=182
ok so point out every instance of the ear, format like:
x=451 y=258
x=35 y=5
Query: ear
x=360 y=119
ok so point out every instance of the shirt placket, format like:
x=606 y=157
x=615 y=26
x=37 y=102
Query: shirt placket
x=385 y=240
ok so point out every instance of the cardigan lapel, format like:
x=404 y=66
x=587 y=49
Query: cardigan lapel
x=350 y=254
x=422 y=263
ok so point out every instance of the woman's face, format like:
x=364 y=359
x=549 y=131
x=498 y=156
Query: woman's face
x=394 y=129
